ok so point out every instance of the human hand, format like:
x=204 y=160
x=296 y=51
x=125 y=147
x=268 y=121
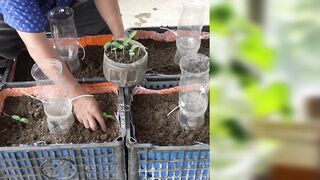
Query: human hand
x=88 y=113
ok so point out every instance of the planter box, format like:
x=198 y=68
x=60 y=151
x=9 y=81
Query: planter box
x=159 y=34
x=65 y=161
x=154 y=33
x=148 y=161
x=98 y=40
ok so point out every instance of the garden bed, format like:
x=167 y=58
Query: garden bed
x=149 y=113
x=14 y=133
x=158 y=147
x=160 y=60
x=80 y=154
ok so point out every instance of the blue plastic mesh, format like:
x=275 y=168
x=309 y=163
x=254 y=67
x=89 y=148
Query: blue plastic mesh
x=174 y=165
x=85 y=163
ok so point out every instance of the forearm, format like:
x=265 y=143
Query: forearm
x=110 y=12
x=40 y=49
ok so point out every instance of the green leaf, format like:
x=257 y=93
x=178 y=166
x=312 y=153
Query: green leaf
x=133 y=47
x=24 y=120
x=131 y=35
x=106 y=115
x=106 y=45
x=16 y=117
x=116 y=44
x=126 y=41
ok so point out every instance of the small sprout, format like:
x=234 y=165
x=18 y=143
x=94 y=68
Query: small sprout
x=106 y=115
x=131 y=35
x=117 y=45
x=24 y=120
x=16 y=117
x=131 y=51
x=107 y=45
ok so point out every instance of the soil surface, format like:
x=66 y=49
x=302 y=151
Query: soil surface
x=122 y=56
x=13 y=132
x=161 y=55
x=91 y=65
x=152 y=125
x=160 y=60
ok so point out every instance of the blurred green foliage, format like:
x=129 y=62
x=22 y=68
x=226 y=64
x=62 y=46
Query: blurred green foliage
x=252 y=47
x=253 y=60
x=273 y=98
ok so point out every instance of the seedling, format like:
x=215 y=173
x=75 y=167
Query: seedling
x=110 y=116
x=22 y=120
x=115 y=45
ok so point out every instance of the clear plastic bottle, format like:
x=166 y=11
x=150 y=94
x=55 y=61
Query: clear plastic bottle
x=189 y=30
x=194 y=84
x=64 y=33
x=57 y=106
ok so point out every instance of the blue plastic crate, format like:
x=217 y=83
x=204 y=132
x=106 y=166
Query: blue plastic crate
x=66 y=161
x=87 y=161
x=147 y=161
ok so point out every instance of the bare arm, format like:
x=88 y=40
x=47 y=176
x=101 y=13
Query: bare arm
x=41 y=50
x=86 y=108
x=110 y=12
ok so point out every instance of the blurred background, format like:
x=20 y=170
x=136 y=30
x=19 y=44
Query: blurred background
x=265 y=89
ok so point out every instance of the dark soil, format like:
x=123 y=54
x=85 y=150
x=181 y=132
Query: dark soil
x=160 y=60
x=91 y=65
x=13 y=133
x=122 y=56
x=161 y=56
x=152 y=126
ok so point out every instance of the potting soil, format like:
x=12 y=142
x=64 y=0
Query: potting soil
x=149 y=113
x=160 y=60
x=14 y=133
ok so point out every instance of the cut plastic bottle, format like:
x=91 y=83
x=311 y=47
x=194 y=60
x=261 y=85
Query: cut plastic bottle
x=193 y=96
x=64 y=33
x=57 y=107
x=188 y=36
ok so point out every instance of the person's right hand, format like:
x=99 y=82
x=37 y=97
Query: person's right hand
x=88 y=113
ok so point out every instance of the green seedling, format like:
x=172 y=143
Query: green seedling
x=15 y=117
x=24 y=120
x=18 y=118
x=115 y=45
x=106 y=115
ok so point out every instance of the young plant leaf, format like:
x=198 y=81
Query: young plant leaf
x=133 y=47
x=16 y=117
x=106 y=115
x=131 y=53
x=106 y=45
x=24 y=120
x=131 y=35
x=116 y=44
x=126 y=41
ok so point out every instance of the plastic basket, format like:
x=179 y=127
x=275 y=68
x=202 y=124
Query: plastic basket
x=65 y=161
x=162 y=35
x=147 y=161
x=98 y=40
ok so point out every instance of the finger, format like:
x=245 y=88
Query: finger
x=80 y=120
x=86 y=123
x=101 y=121
x=92 y=122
